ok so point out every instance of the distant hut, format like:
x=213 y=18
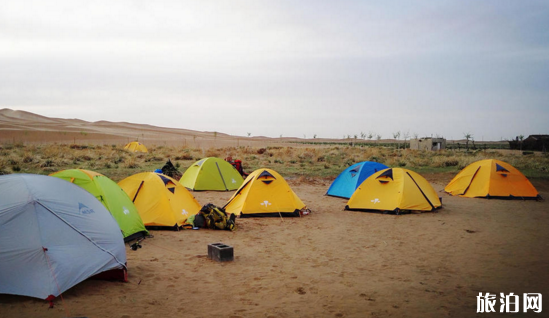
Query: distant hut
x=532 y=143
x=536 y=142
x=428 y=143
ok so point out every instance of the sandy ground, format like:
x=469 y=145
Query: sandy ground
x=331 y=263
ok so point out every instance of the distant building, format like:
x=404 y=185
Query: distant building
x=533 y=143
x=428 y=143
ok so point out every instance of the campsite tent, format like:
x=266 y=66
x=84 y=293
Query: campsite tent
x=491 y=178
x=394 y=190
x=264 y=193
x=160 y=200
x=348 y=181
x=54 y=235
x=136 y=146
x=112 y=197
x=211 y=174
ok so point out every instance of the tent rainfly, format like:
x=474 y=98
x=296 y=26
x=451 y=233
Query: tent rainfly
x=394 y=190
x=350 y=179
x=212 y=174
x=160 y=200
x=54 y=235
x=491 y=178
x=136 y=146
x=112 y=197
x=264 y=193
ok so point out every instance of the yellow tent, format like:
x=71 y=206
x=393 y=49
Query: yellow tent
x=394 y=190
x=136 y=146
x=491 y=178
x=264 y=193
x=160 y=200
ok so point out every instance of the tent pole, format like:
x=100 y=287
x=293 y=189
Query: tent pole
x=138 y=189
x=221 y=175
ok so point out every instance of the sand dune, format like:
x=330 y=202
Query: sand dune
x=26 y=127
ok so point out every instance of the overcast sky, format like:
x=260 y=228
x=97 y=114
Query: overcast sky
x=290 y=68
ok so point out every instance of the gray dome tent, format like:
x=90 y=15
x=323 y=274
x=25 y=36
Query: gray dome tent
x=54 y=235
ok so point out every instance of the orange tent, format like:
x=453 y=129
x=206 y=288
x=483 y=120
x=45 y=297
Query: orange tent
x=491 y=178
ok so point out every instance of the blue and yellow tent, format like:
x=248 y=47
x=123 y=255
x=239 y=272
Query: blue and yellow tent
x=348 y=181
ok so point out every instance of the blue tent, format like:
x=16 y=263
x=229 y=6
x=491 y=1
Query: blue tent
x=346 y=183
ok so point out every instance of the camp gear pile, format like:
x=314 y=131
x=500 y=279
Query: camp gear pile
x=216 y=218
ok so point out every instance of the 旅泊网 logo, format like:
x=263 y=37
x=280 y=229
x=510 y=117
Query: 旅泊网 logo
x=511 y=303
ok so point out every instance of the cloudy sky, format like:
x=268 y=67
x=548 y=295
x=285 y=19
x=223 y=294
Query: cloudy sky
x=290 y=68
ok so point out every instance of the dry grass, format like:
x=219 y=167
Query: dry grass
x=293 y=162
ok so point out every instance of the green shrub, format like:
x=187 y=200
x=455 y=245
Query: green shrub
x=451 y=163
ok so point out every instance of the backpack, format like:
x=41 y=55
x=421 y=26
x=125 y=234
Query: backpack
x=238 y=165
x=216 y=218
x=171 y=171
x=199 y=220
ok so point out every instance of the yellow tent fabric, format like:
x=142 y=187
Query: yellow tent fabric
x=491 y=178
x=264 y=193
x=211 y=174
x=394 y=190
x=136 y=146
x=160 y=200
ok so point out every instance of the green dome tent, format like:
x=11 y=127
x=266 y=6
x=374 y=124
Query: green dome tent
x=211 y=174
x=112 y=197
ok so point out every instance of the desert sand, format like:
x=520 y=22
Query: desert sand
x=330 y=263
x=17 y=126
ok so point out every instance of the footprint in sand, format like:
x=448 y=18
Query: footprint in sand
x=300 y=290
